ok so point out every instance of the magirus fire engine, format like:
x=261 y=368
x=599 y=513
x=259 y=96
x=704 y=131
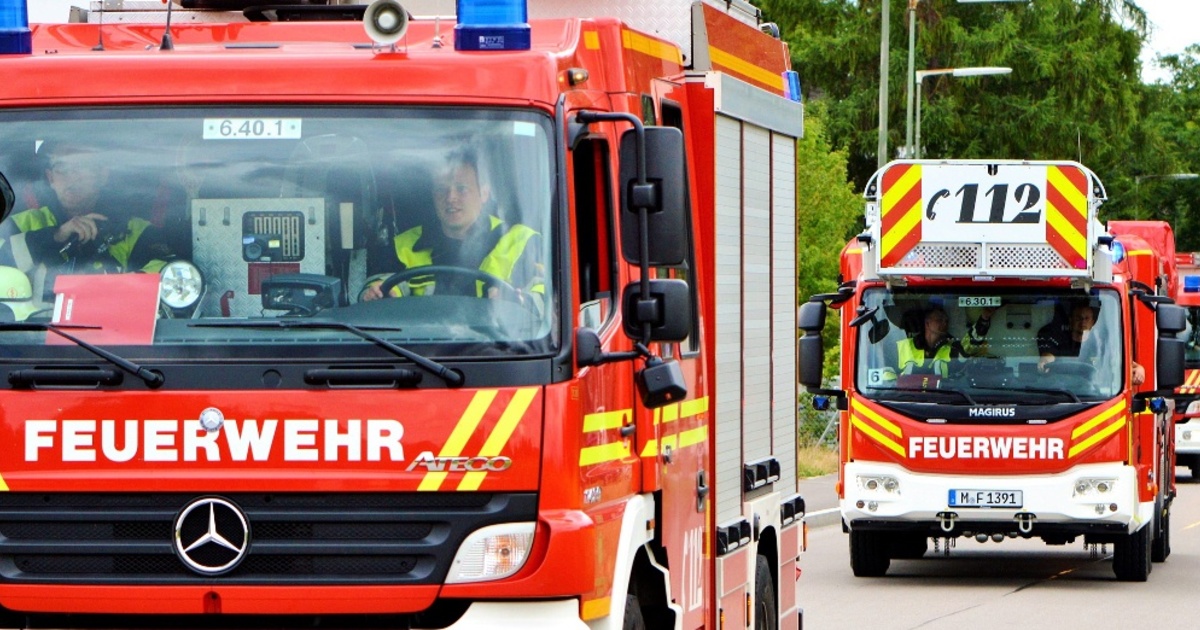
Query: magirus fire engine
x=1004 y=362
x=208 y=423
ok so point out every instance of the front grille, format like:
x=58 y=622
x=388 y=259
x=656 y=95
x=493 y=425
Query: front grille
x=310 y=538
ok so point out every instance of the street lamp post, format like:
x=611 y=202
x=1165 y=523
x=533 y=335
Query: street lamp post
x=1137 y=186
x=909 y=76
x=885 y=44
x=919 y=77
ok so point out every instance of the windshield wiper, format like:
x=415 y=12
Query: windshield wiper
x=149 y=377
x=916 y=390
x=1035 y=390
x=451 y=377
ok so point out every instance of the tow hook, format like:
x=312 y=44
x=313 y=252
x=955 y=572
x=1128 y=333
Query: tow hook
x=1025 y=521
x=946 y=520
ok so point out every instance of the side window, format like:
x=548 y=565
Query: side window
x=672 y=116
x=596 y=249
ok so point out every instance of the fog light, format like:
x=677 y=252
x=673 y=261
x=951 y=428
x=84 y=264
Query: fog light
x=491 y=553
x=890 y=484
x=872 y=484
x=872 y=506
x=1112 y=507
x=1102 y=486
x=859 y=504
x=1080 y=488
x=1100 y=509
x=1187 y=435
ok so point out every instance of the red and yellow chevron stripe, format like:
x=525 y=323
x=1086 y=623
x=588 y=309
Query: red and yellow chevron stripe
x=879 y=429
x=1067 y=213
x=900 y=213
x=1098 y=429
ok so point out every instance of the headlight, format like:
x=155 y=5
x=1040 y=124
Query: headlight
x=491 y=553
x=876 y=483
x=1086 y=487
x=181 y=284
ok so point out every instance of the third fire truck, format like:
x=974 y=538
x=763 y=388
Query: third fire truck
x=1027 y=421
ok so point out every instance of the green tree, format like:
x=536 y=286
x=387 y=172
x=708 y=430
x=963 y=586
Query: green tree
x=1074 y=93
x=829 y=212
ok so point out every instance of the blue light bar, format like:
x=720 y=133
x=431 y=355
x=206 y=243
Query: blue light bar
x=15 y=38
x=1191 y=284
x=791 y=85
x=492 y=25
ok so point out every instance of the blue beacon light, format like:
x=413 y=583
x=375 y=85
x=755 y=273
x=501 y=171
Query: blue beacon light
x=15 y=37
x=492 y=25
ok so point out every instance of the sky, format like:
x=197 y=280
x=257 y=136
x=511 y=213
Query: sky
x=1173 y=26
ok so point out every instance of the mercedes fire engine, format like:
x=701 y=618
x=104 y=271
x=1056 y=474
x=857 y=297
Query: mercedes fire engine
x=573 y=404
x=1004 y=366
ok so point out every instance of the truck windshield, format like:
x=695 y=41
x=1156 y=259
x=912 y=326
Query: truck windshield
x=1003 y=346
x=1191 y=337
x=432 y=227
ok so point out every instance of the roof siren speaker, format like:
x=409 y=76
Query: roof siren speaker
x=385 y=21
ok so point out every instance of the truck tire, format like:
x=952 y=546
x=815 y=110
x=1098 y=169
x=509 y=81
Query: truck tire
x=633 y=614
x=907 y=546
x=869 y=553
x=766 y=613
x=1160 y=547
x=1131 y=555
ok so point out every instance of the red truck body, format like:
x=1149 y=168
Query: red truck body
x=437 y=461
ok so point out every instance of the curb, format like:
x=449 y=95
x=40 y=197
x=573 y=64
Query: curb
x=824 y=518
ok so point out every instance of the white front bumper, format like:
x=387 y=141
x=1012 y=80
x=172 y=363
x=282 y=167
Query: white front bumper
x=1187 y=438
x=563 y=613
x=1051 y=498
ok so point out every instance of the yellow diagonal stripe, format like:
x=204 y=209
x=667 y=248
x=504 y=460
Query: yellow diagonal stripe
x=1100 y=418
x=1096 y=437
x=605 y=420
x=3 y=485
x=892 y=196
x=884 y=440
x=591 y=40
x=670 y=413
x=458 y=439
x=1072 y=236
x=501 y=434
x=1077 y=198
x=651 y=448
x=877 y=419
x=591 y=455
x=907 y=223
x=695 y=407
x=595 y=608
x=743 y=67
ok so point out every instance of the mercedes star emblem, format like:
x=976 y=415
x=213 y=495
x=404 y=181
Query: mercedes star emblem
x=211 y=536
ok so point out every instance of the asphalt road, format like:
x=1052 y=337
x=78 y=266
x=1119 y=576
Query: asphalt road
x=1021 y=584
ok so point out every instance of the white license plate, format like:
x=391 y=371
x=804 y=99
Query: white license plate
x=986 y=498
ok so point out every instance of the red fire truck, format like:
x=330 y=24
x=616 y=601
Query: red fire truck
x=993 y=338
x=1187 y=395
x=573 y=404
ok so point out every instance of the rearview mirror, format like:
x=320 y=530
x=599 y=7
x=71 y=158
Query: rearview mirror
x=666 y=225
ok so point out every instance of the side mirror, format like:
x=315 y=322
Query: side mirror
x=812 y=360
x=1169 y=364
x=668 y=311
x=1171 y=318
x=811 y=317
x=664 y=197
x=588 y=349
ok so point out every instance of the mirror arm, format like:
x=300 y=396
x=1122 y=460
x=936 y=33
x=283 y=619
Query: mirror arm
x=641 y=197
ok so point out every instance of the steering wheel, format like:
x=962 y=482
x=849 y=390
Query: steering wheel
x=506 y=290
x=1071 y=367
